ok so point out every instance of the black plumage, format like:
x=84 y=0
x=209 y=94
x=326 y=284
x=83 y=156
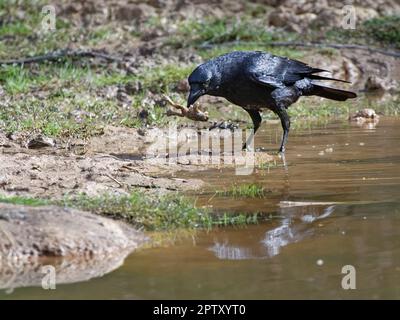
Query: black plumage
x=255 y=80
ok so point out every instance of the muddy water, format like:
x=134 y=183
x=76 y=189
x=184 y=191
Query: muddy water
x=336 y=203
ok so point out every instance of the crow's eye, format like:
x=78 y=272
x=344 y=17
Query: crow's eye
x=205 y=84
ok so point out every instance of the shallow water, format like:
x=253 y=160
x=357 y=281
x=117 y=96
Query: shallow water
x=327 y=210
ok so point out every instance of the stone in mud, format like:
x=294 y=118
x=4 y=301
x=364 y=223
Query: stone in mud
x=366 y=118
x=375 y=83
x=39 y=141
x=76 y=245
x=4 y=141
x=366 y=113
x=31 y=233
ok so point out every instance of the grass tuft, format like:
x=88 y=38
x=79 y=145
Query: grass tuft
x=25 y=201
x=221 y=30
x=384 y=30
x=244 y=190
x=150 y=212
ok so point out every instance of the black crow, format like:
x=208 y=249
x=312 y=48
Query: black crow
x=255 y=80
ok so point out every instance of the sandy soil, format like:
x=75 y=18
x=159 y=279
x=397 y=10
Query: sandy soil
x=110 y=163
x=113 y=163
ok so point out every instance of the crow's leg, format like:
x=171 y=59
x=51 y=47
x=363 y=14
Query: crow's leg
x=283 y=98
x=256 y=118
x=285 y=120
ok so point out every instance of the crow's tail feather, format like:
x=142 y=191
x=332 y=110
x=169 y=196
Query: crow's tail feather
x=317 y=77
x=332 y=93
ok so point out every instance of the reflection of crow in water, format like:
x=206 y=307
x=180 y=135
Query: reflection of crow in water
x=255 y=80
x=294 y=228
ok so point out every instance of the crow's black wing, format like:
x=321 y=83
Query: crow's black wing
x=278 y=72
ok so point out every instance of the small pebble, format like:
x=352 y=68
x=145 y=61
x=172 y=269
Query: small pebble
x=320 y=262
x=362 y=144
x=329 y=150
x=321 y=153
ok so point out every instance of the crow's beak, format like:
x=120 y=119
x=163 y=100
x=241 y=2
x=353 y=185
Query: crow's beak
x=194 y=95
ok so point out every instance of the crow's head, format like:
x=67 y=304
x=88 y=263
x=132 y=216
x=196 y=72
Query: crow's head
x=202 y=80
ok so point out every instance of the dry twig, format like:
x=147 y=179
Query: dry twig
x=65 y=53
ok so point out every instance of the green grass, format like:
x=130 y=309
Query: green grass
x=24 y=79
x=78 y=116
x=215 y=36
x=15 y=29
x=14 y=79
x=269 y=165
x=156 y=79
x=216 y=31
x=80 y=75
x=384 y=29
x=23 y=34
x=381 y=31
x=99 y=34
x=223 y=48
x=151 y=212
x=71 y=88
x=26 y=201
x=53 y=118
x=244 y=191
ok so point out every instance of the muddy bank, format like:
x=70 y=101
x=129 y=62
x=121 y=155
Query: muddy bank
x=112 y=163
x=79 y=245
x=116 y=162
x=35 y=232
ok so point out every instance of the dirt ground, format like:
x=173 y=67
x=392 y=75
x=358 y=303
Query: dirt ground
x=112 y=163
